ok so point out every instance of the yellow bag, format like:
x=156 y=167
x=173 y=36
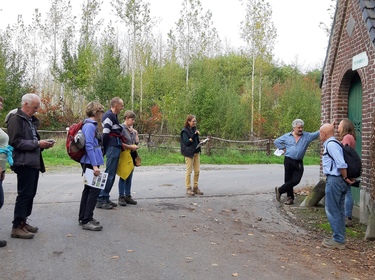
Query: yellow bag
x=125 y=164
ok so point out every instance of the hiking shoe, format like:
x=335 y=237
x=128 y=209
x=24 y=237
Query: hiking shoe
x=3 y=243
x=332 y=244
x=197 y=191
x=189 y=192
x=278 y=195
x=30 y=228
x=103 y=205
x=348 y=222
x=91 y=226
x=289 y=201
x=21 y=232
x=95 y=222
x=130 y=200
x=112 y=203
x=121 y=201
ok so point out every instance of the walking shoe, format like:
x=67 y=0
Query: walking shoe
x=348 y=222
x=3 y=243
x=112 y=203
x=91 y=226
x=21 y=232
x=30 y=228
x=95 y=222
x=278 y=195
x=189 y=192
x=289 y=201
x=103 y=205
x=130 y=200
x=330 y=243
x=121 y=201
x=197 y=191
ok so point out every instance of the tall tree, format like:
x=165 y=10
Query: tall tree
x=135 y=14
x=194 y=35
x=59 y=26
x=259 y=33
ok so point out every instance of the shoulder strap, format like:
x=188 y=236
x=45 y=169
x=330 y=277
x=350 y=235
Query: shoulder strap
x=327 y=153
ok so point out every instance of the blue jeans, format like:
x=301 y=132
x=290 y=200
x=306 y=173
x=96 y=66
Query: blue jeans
x=112 y=155
x=124 y=186
x=336 y=189
x=349 y=203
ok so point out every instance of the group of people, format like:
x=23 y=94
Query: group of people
x=22 y=149
x=338 y=197
x=115 y=139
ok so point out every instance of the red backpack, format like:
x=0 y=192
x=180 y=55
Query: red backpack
x=75 y=141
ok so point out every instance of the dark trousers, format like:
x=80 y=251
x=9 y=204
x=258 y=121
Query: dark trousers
x=293 y=174
x=27 y=183
x=88 y=201
x=1 y=193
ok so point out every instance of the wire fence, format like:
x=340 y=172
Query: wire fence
x=171 y=143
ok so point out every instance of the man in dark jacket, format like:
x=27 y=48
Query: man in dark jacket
x=112 y=148
x=28 y=161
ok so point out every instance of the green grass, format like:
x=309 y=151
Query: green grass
x=57 y=156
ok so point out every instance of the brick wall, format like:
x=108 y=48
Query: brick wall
x=338 y=75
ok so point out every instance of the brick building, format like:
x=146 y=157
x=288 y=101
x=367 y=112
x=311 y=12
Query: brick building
x=348 y=88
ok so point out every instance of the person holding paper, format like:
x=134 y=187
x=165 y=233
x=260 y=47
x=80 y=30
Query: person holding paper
x=92 y=159
x=191 y=151
x=294 y=144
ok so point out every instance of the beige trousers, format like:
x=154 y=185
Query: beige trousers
x=192 y=164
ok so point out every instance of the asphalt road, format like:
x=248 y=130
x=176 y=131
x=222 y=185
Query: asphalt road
x=234 y=231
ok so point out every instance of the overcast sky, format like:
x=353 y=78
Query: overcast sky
x=300 y=39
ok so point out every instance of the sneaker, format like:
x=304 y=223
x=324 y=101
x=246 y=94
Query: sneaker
x=330 y=243
x=103 y=205
x=197 y=191
x=121 y=201
x=189 y=192
x=95 y=222
x=21 y=232
x=348 y=222
x=112 y=203
x=130 y=200
x=30 y=228
x=91 y=226
x=278 y=195
x=3 y=243
x=289 y=201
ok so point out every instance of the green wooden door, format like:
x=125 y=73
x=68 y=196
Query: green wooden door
x=355 y=115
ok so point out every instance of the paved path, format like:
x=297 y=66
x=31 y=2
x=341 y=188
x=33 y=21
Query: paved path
x=234 y=230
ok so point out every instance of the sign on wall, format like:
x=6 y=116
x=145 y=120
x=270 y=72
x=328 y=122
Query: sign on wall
x=359 y=61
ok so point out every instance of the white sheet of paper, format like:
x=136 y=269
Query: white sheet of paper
x=95 y=181
x=278 y=152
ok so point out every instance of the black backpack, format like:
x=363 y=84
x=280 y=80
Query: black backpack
x=351 y=158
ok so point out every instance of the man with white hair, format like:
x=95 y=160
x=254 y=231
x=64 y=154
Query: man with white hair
x=27 y=162
x=294 y=144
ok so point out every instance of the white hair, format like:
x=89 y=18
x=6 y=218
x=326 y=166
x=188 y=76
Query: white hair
x=29 y=98
x=298 y=122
